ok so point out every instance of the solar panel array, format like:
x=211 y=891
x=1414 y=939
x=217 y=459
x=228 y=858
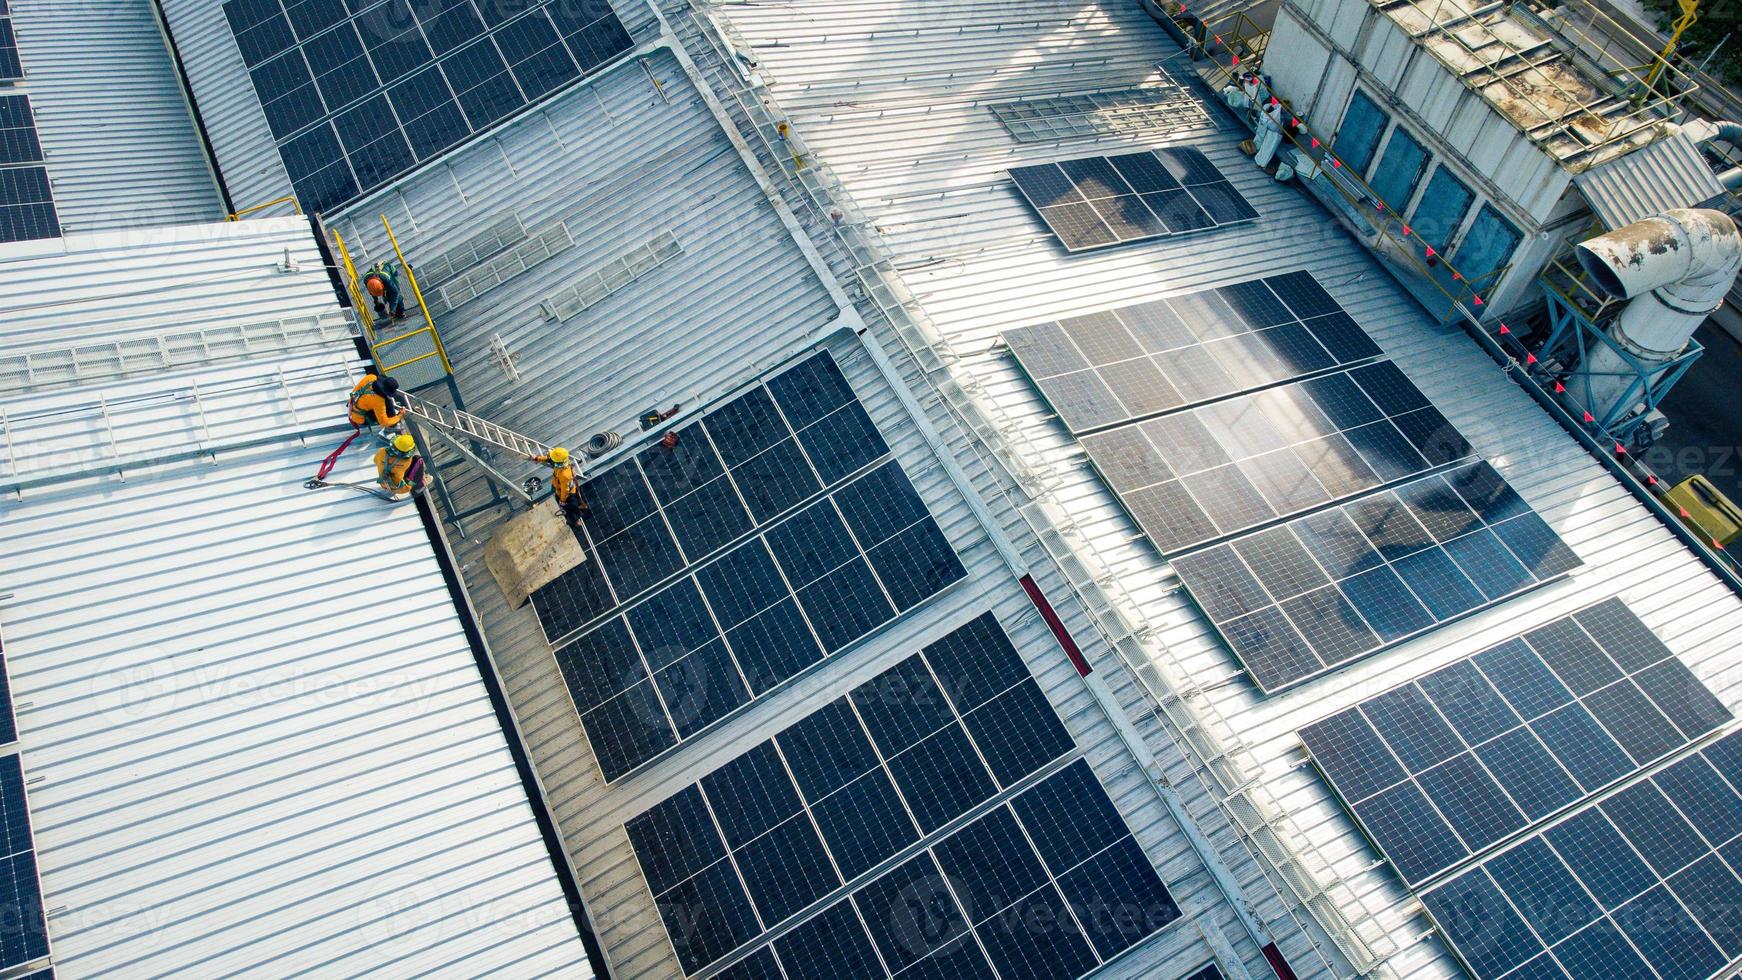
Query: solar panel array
x=1094 y=202
x=356 y=91
x=1308 y=596
x=1210 y=471
x=1209 y=971
x=1140 y=360
x=1642 y=884
x=784 y=837
x=26 y=201
x=774 y=533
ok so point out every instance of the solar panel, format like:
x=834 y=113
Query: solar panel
x=1305 y=597
x=26 y=200
x=793 y=834
x=11 y=69
x=1640 y=884
x=1209 y=971
x=1217 y=469
x=1445 y=766
x=23 y=934
x=774 y=533
x=1165 y=354
x=389 y=85
x=1094 y=202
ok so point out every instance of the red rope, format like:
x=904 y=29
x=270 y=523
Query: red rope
x=332 y=459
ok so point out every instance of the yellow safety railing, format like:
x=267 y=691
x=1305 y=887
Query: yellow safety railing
x=383 y=347
x=289 y=199
x=439 y=350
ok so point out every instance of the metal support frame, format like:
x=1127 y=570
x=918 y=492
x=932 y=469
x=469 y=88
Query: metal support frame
x=1574 y=337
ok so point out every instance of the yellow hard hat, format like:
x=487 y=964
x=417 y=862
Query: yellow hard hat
x=404 y=443
x=559 y=455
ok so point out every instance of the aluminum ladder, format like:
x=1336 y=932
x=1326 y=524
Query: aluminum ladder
x=472 y=437
x=465 y=425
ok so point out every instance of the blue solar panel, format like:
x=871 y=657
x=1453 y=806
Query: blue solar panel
x=446 y=69
x=1447 y=765
x=956 y=908
x=1153 y=357
x=1100 y=201
x=1215 y=470
x=18 y=140
x=1303 y=598
x=23 y=933
x=1641 y=883
x=730 y=562
x=26 y=200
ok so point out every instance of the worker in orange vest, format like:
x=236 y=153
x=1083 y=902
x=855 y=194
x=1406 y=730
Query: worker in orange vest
x=397 y=466
x=562 y=482
x=376 y=401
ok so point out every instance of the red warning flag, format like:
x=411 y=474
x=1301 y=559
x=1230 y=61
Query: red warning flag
x=1589 y=417
x=1530 y=358
x=1559 y=388
x=1504 y=329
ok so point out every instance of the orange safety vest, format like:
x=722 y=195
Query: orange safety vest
x=366 y=407
x=391 y=466
x=562 y=479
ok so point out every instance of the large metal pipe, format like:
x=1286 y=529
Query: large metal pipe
x=1675 y=269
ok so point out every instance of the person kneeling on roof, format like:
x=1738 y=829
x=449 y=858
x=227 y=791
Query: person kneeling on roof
x=562 y=482
x=382 y=282
x=397 y=466
x=376 y=401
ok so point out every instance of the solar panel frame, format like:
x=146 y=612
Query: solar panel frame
x=1186 y=193
x=1013 y=847
x=1485 y=719
x=1610 y=887
x=1206 y=472
x=353 y=56
x=1185 y=346
x=1361 y=569
x=771 y=536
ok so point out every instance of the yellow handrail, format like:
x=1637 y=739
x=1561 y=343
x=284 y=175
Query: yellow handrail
x=357 y=302
x=289 y=199
x=411 y=280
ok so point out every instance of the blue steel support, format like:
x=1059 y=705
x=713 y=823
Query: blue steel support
x=1574 y=337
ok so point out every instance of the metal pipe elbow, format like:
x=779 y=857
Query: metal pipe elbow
x=1687 y=258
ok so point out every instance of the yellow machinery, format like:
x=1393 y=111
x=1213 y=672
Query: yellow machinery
x=1705 y=509
x=1690 y=12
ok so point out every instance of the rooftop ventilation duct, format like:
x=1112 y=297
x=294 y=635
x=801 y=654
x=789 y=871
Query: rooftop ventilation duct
x=1675 y=269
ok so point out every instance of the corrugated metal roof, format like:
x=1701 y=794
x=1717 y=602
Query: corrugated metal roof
x=119 y=139
x=622 y=162
x=1668 y=173
x=254 y=730
x=899 y=115
x=241 y=141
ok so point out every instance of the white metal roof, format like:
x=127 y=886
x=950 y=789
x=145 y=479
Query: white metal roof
x=254 y=731
x=897 y=110
x=621 y=160
x=118 y=137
